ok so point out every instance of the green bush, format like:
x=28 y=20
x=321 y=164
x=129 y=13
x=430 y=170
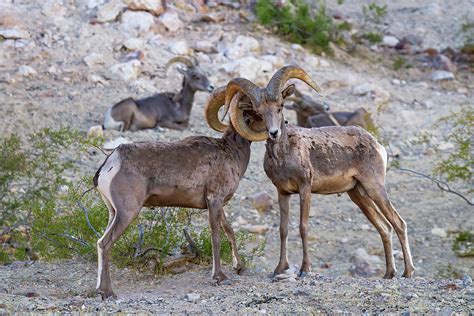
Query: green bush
x=463 y=244
x=299 y=24
x=373 y=37
x=459 y=163
x=374 y=13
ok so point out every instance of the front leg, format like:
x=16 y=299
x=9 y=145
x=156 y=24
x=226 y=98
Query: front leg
x=173 y=125
x=305 y=205
x=283 y=201
x=215 y=218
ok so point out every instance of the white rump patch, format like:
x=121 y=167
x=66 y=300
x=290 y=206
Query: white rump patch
x=110 y=123
x=383 y=154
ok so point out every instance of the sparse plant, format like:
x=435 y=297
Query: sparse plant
x=401 y=63
x=463 y=244
x=299 y=24
x=373 y=37
x=374 y=13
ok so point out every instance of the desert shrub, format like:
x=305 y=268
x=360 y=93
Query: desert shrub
x=373 y=37
x=459 y=163
x=463 y=244
x=401 y=63
x=374 y=13
x=298 y=23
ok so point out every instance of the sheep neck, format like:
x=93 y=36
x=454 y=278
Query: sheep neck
x=185 y=98
x=238 y=147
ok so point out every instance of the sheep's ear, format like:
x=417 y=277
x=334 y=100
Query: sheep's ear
x=288 y=91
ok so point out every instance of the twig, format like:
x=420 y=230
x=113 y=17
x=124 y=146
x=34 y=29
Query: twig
x=86 y=212
x=443 y=186
x=141 y=239
x=93 y=145
x=192 y=244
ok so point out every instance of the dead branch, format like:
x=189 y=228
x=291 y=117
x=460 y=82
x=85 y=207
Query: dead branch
x=442 y=185
x=86 y=212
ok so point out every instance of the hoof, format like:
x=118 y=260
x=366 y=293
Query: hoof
x=220 y=277
x=106 y=294
x=240 y=269
x=408 y=274
x=389 y=275
x=303 y=274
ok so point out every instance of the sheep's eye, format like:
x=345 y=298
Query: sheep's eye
x=195 y=77
x=279 y=110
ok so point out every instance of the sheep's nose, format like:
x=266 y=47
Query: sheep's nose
x=274 y=133
x=210 y=88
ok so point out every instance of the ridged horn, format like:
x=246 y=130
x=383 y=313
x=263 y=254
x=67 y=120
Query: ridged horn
x=279 y=79
x=246 y=87
x=179 y=59
x=238 y=121
x=214 y=102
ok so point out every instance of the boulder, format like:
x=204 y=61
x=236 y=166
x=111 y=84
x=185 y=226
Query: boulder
x=109 y=11
x=137 y=22
x=126 y=71
x=170 y=21
x=152 y=6
x=134 y=43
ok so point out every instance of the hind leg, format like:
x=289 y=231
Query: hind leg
x=360 y=198
x=123 y=215
x=237 y=263
x=379 y=195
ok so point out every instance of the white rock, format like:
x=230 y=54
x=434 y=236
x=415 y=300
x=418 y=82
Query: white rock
x=126 y=71
x=171 y=21
x=109 y=11
x=153 y=6
x=297 y=47
x=144 y=85
x=276 y=61
x=52 y=69
x=95 y=131
x=111 y=145
x=257 y=229
x=93 y=59
x=134 y=43
x=323 y=63
x=92 y=4
x=396 y=82
x=192 y=297
x=205 y=47
x=445 y=146
x=14 y=34
x=137 y=22
x=26 y=71
x=390 y=41
x=249 y=67
x=313 y=61
x=441 y=232
x=363 y=89
x=97 y=79
x=438 y=75
x=179 y=48
x=241 y=47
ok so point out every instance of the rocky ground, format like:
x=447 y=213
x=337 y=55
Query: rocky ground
x=63 y=63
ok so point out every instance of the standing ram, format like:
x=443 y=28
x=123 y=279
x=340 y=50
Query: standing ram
x=170 y=110
x=327 y=160
x=197 y=172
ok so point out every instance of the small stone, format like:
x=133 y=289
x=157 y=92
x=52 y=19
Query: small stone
x=52 y=70
x=276 y=61
x=466 y=281
x=26 y=71
x=170 y=21
x=241 y=47
x=137 y=22
x=126 y=71
x=152 y=6
x=205 y=47
x=95 y=131
x=213 y=17
x=445 y=146
x=439 y=232
x=14 y=34
x=179 y=48
x=257 y=229
x=396 y=82
x=93 y=59
x=109 y=11
x=363 y=89
x=297 y=47
x=390 y=41
x=439 y=75
x=134 y=43
x=364 y=264
x=96 y=79
x=364 y=227
x=92 y=4
x=111 y=145
x=261 y=201
x=192 y=297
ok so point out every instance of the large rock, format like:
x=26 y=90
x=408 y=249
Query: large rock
x=137 y=22
x=14 y=34
x=242 y=46
x=364 y=264
x=170 y=21
x=248 y=67
x=152 y=6
x=109 y=11
x=134 y=43
x=125 y=71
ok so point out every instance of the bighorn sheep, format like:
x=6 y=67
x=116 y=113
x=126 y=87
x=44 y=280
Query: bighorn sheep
x=197 y=172
x=325 y=160
x=164 y=109
x=310 y=113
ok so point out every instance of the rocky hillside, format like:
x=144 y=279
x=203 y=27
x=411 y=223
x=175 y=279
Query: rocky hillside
x=64 y=62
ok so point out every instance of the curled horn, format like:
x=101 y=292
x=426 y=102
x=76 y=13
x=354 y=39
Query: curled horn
x=279 y=79
x=214 y=102
x=239 y=123
x=179 y=59
x=246 y=87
